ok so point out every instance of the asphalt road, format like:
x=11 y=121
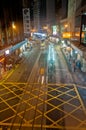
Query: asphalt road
x=40 y=95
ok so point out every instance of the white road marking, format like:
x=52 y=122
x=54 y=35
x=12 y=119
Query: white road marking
x=38 y=79
x=42 y=80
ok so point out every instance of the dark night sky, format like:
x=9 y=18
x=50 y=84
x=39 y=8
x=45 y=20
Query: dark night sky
x=15 y=6
x=12 y=3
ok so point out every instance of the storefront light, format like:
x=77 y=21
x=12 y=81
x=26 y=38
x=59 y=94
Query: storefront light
x=7 y=52
x=76 y=52
x=64 y=45
x=84 y=13
x=62 y=41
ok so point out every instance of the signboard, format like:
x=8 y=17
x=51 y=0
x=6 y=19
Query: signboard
x=3 y=51
x=66 y=35
x=26 y=21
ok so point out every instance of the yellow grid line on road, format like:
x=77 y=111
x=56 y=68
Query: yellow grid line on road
x=80 y=100
x=7 y=104
x=4 y=94
x=7 y=76
x=82 y=123
x=43 y=126
x=77 y=96
x=57 y=97
x=12 y=91
x=68 y=114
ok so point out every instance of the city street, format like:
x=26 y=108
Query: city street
x=41 y=94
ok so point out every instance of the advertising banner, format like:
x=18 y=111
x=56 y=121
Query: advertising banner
x=26 y=21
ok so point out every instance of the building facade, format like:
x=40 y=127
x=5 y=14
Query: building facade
x=10 y=17
x=44 y=14
x=36 y=14
x=11 y=33
x=76 y=26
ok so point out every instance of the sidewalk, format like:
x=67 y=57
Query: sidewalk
x=5 y=74
x=8 y=72
x=78 y=76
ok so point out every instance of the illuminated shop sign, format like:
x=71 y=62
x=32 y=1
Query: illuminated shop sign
x=66 y=35
x=26 y=21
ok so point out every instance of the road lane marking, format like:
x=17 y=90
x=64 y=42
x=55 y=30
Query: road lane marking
x=7 y=76
x=42 y=80
x=38 y=79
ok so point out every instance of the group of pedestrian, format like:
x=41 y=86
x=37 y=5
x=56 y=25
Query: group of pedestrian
x=75 y=64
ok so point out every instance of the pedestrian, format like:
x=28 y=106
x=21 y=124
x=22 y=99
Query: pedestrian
x=70 y=61
x=74 y=66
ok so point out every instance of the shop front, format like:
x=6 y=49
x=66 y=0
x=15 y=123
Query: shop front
x=10 y=55
x=79 y=58
x=84 y=62
x=2 y=65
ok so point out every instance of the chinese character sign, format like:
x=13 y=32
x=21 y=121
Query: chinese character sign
x=26 y=20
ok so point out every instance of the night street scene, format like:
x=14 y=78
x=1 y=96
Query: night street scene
x=43 y=65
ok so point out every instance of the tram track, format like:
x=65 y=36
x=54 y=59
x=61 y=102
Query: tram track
x=25 y=107
x=54 y=99
x=32 y=79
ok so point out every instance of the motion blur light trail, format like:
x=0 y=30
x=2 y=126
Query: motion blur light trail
x=51 y=55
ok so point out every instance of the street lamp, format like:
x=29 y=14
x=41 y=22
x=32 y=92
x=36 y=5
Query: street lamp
x=14 y=27
x=13 y=31
x=66 y=25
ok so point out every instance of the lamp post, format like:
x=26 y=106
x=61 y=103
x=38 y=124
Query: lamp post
x=66 y=26
x=13 y=31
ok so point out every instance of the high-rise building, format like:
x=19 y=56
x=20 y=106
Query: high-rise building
x=36 y=15
x=61 y=15
x=10 y=13
x=25 y=3
x=50 y=12
x=44 y=13
x=61 y=8
x=11 y=31
x=76 y=25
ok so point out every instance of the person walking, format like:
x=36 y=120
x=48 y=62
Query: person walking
x=74 y=66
